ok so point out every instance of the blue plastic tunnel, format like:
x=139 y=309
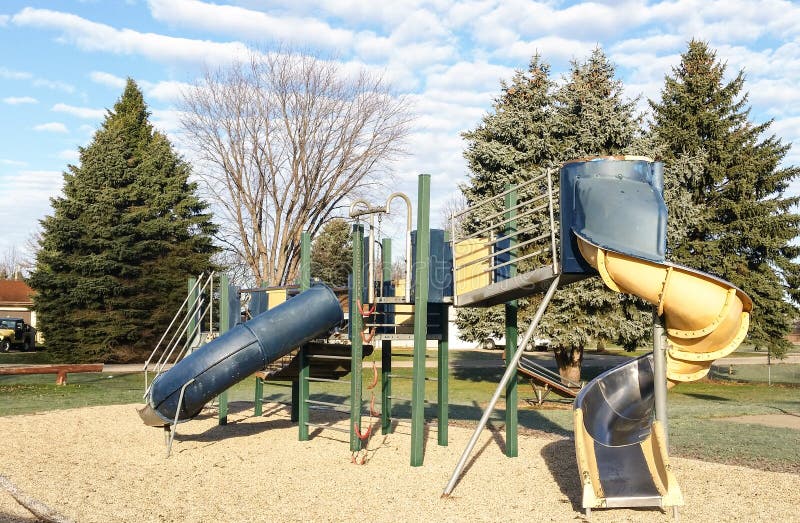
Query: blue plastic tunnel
x=240 y=352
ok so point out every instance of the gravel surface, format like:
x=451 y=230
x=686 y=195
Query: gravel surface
x=101 y=464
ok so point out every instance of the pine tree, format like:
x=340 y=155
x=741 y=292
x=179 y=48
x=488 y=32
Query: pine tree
x=121 y=241
x=744 y=222
x=511 y=145
x=594 y=118
x=332 y=254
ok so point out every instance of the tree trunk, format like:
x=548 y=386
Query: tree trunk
x=569 y=360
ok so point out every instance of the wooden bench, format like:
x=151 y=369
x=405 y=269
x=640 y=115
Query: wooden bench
x=59 y=370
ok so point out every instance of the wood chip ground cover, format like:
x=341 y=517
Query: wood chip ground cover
x=101 y=464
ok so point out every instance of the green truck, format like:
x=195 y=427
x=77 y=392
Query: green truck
x=14 y=332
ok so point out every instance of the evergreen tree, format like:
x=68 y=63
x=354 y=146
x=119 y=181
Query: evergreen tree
x=332 y=254
x=511 y=145
x=744 y=222
x=594 y=118
x=120 y=243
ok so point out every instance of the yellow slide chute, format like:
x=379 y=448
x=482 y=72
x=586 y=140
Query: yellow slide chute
x=706 y=317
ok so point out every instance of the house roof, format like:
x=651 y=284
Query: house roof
x=15 y=292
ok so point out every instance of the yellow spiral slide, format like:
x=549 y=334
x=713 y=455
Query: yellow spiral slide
x=618 y=445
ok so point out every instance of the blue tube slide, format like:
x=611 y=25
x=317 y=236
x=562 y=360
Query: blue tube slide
x=240 y=352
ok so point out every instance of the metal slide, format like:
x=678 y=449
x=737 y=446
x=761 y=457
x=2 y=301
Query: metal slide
x=180 y=393
x=621 y=451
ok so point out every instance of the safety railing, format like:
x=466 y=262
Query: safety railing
x=512 y=232
x=184 y=329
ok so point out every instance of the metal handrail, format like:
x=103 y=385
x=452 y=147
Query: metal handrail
x=496 y=196
x=175 y=333
x=506 y=221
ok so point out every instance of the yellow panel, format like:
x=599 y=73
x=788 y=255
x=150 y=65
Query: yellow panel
x=403 y=314
x=476 y=275
x=275 y=297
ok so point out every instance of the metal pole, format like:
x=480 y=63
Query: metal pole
x=660 y=371
x=386 y=345
x=443 y=375
x=357 y=326
x=511 y=370
x=512 y=332
x=224 y=325
x=300 y=392
x=421 y=273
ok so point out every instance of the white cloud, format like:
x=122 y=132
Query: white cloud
x=167 y=120
x=3 y=20
x=167 y=91
x=80 y=112
x=92 y=36
x=10 y=74
x=30 y=191
x=19 y=100
x=14 y=163
x=52 y=127
x=249 y=24
x=551 y=48
x=71 y=155
x=107 y=79
x=54 y=84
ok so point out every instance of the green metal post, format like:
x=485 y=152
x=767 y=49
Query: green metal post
x=442 y=375
x=191 y=310
x=300 y=391
x=421 y=274
x=386 y=345
x=512 y=415
x=356 y=328
x=224 y=325
x=258 y=397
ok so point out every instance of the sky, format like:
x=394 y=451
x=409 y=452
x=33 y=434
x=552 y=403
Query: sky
x=63 y=65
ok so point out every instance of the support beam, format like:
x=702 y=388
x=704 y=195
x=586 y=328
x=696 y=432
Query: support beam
x=443 y=376
x=421 y=275
x=386 y=345
x=300 y=392
x=356 y=328
x=512 y=399
x=660 y=371
x=511 y=368
x=224 y=325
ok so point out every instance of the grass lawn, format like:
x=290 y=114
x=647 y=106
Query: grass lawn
x=695 y=409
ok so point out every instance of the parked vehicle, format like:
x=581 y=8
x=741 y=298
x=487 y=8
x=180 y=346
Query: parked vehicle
x=538 y=344
x=14 y=332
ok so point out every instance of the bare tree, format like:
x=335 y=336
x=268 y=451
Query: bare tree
x=283 y=141
x=456 y=203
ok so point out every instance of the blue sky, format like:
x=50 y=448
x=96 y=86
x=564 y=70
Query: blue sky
x=64 y=63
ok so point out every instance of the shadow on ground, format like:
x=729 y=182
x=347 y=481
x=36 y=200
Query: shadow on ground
x=560 y=459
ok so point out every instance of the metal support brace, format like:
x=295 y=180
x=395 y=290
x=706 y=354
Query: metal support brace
x=511 y=370
x=177 y=415
x=660 y=371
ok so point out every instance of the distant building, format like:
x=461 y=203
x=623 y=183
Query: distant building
x=794 y=335
x=16 y=301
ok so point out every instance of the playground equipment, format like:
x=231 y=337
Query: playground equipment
x=607 y=217
x=613 y=223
